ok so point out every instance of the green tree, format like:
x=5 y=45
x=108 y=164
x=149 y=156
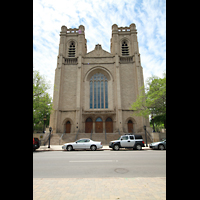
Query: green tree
x=42 y=102
x=152 y=100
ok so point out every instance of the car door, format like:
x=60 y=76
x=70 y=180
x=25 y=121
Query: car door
x=79 y=144
x=125 y=141
x=87 y=144
x=132 y=140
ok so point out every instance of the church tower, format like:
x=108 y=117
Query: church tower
x=129 y=72
x=66 y=98
x=93 y=91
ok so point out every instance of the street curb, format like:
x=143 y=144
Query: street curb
x=65 y=150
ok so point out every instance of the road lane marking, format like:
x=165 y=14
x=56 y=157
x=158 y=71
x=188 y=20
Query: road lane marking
x=93 y=161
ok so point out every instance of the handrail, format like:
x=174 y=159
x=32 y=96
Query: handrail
x=91 y=134
x=76 y=135
x=119 y=131
x=149 y=136
x=46 y=139
x=61 y=138
x=105 y=136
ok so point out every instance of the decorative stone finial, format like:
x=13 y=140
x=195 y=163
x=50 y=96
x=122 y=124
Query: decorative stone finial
x=98 y=47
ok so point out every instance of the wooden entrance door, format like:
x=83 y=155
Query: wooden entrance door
x=88 y=125
x=109 y=125
x=68 y=127
x=99 y=125
x=130 y=126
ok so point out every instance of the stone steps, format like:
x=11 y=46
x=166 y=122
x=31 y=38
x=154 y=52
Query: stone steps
x=67 y=137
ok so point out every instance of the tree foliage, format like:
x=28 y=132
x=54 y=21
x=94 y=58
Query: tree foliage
x=152 y=100
x=42 y=102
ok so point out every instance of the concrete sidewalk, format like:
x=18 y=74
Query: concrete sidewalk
x=59 y=148
x=149 y=188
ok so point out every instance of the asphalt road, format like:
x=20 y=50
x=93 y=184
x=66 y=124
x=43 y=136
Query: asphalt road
x=99 y=164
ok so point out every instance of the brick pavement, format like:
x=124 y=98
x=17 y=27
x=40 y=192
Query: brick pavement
x=100 y=188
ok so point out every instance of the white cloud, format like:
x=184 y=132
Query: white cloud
x=98 y=16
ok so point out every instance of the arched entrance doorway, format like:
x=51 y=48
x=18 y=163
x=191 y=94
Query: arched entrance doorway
x=68 y=127
x=99 y=125
x=130 y=126
x=109 y=125
x=88 y=125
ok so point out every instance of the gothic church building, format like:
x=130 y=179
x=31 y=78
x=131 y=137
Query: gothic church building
x=93 y=91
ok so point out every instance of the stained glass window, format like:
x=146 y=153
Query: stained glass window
x=98 y=91
x=91 y=94
x=99 y=119
x=99 y=94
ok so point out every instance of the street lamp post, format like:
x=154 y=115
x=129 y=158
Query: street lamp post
x=145 y=135
x=49 y=136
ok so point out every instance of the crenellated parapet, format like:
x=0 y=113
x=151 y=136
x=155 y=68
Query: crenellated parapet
x=76 y=31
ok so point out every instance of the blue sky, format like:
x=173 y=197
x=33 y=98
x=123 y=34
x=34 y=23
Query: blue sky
x=98 y=16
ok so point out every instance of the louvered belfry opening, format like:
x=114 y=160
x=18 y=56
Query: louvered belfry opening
x=72 y=50
x=125 y=50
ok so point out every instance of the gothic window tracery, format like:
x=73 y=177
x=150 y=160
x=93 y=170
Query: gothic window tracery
x=98 y=91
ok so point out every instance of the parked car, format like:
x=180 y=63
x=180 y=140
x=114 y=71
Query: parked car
x=127 y=141
x=161 y=145
x=36 y=143
x=84 y=143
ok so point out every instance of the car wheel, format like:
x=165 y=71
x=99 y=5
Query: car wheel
x=116 y=147
x=161 y=147
x=69 y=148
x=138 y=147
x=93 y=148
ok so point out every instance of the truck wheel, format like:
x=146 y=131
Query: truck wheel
x=116 y=147
x=138 y=147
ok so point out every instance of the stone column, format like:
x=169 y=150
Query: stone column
x=78 y=91
x=119 y=109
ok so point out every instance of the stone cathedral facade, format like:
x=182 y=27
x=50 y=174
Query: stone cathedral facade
x=93 y=91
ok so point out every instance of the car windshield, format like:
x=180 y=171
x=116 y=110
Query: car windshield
x=163 y=140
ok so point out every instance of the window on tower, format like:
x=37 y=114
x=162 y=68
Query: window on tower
x=125 y=50
x=98 y=91
x=71 y=50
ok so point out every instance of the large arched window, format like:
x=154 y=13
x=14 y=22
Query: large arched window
x=125 y=50
x=98 y=91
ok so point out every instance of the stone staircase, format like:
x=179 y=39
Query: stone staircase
x=144 y=139
x=71 y=137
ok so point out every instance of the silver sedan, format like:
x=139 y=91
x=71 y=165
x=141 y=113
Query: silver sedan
x=158 y=145
x=83 y=143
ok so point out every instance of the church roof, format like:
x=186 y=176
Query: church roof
x=98 y=52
